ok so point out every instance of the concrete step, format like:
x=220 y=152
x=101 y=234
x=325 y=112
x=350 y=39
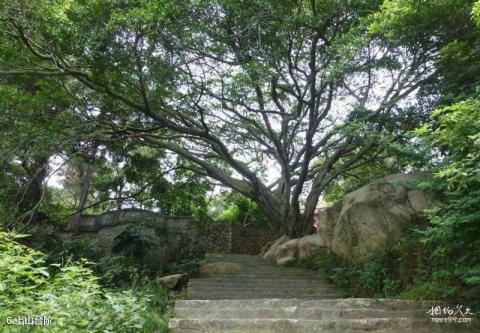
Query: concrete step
x=262 y=298
x=239 y=296
x=271 y=274
x=296 y=313
x=341 y=303
x=258 y=280
x=259 y=275
x=272 y=293
x=262 y=286
x=378 y=325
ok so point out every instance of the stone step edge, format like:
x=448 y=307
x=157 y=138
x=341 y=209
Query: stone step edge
x=268 y=280
x=331 y=323
x=298 y=313
x=260 y=288
x=279 y=302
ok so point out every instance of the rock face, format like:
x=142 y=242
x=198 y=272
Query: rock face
x=365 y=218
x=265 y=248
x=289 y=251
x=286 y=253
x=271 y=252
x=308 y=245
x=361 y=222
x=175 y=281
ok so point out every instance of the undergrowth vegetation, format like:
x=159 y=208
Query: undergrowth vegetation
x=72 y=296
x=403 y=269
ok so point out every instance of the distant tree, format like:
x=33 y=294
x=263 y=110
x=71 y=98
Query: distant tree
x=36 y=124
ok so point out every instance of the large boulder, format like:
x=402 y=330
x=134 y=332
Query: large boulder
x=270 y=253
x=286 y=253
x=363 y=220
x=265 y=247
x=310 y=245
x=173 y=282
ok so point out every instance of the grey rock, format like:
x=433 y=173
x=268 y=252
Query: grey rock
x=270 y=254
x=172 y=281
x=286 y=253
x=365 y=218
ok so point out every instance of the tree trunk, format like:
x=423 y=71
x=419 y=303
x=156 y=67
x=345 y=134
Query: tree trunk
x=37 y=170
x=302 y=226
x=85 y=177
x=286 y=223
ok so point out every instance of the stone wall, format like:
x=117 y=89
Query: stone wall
x=93 y=223
x=180 y=234
x=228 y=237
x=175 y=238
x=217 y=236
x=250 y=240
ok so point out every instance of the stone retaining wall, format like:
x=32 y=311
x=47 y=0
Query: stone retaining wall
x=250 y=240
x=179 y=234
x=228 y=237
x=217 y=236
x=175 y=237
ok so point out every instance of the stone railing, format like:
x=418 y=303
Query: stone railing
x=93 y=223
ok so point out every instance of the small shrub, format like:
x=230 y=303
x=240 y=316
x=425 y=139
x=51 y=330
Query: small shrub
x=403 y=269
x=71 y=295
x=116 y=270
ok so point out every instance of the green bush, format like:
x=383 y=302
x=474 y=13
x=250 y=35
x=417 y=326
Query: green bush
x=71 y=295
x=404 y=269
x=453 y=234
x=243 y=210
x=116 y=269
x=382 y=274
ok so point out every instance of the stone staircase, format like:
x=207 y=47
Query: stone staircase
x=265 y=298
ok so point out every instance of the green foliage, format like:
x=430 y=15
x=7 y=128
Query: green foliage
x=441 y=260
x=443 y=27
x=242 y=210
x=455 y=224
x=383 y=273
x=32 y=127
x=396 y=157
x=117 y=270
x=83 y=247
x=70 y=294
x=476 y=12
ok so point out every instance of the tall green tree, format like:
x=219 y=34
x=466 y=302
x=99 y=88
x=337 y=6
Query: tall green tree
x=233 y=87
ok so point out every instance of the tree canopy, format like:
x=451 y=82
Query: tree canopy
x=274 y=100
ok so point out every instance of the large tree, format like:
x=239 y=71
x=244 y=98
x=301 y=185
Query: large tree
x=237 y=88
